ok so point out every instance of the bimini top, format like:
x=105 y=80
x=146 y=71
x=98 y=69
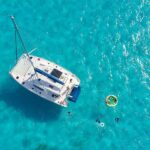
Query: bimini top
x=50 y=76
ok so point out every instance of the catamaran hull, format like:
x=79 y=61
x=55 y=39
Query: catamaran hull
x=44 y=78
x=39 y=84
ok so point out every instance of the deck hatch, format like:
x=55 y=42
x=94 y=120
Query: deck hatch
x=50 y=76
x=56 y=73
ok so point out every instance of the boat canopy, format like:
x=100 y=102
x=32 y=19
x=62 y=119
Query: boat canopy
x=74 y=94
x=50 y=76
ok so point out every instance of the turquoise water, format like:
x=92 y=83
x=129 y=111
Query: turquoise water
x=106 y=44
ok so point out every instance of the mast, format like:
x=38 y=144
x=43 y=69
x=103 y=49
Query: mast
x=21 y=40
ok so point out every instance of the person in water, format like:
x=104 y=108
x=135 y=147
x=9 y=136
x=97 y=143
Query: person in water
x=69 y=113
x=98 y=120
x=101 y=124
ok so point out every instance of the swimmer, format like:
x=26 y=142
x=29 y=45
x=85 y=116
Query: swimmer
x=101 y=124
x=97 y=120
x=69 y=113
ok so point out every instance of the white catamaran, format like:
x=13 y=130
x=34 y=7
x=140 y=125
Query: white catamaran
x=44 y=78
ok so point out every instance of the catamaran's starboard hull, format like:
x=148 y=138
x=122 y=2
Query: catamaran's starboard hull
x=45 y=82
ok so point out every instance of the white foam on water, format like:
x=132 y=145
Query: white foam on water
x=125 y=52
x=136 y=37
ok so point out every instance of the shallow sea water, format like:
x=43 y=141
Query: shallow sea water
x=106 y=44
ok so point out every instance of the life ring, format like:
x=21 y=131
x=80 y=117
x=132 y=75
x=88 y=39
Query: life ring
x=102 y=124
x=111 y=100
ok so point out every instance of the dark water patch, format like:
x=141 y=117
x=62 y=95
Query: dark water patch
x=96 y=114
x=42 y=147
x=26 y=143
x=45 y=147
x=79 y=143
x=29 y=104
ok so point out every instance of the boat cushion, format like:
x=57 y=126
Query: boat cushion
x=74 y=94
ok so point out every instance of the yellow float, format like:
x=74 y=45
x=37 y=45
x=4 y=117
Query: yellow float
x=111 y=100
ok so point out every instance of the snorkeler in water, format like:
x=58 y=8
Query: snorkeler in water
x=101 y=124
x=69 y=113
x=98 y=120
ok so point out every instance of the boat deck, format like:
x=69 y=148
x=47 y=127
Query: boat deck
x=40 y=84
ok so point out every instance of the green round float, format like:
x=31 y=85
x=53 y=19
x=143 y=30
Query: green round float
x=111 y=100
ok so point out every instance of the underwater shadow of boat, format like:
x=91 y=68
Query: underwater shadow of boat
x=31 y=105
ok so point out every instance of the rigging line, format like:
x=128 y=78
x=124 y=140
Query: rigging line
x=20 y=38
x=32 y=50
x=17 y=30
x=16 y=47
